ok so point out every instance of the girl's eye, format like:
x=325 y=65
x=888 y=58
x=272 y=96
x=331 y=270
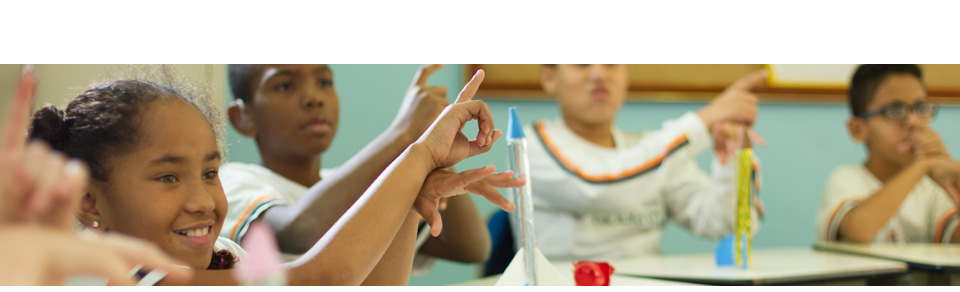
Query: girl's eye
x=210 y=175
x=283 y=87
x=168 y=179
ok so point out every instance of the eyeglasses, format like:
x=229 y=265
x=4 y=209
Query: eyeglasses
x=898 y=112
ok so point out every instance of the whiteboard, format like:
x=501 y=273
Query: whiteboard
x=834 y=76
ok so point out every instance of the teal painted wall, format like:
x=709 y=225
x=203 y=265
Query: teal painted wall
x=805 y=142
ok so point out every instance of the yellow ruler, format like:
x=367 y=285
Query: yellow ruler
x=742 y=236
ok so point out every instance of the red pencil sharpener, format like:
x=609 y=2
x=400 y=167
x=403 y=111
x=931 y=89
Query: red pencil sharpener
x=587 y=273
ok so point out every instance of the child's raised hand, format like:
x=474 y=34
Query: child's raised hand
x=421 y=104
x=728 y=137
x=37 y=184
x=445 y=142
x=736 y=103
x=443 y=183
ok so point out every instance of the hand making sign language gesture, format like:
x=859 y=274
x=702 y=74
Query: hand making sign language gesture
x=447 y=145
x=730 y=116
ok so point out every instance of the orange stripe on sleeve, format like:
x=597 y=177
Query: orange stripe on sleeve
x=834 y=213
x=246 y=213
x=942 y=224
x=606 y=177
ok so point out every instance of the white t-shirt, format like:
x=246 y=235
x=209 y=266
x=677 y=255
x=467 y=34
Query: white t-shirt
x=600 y=203
x=926 y=215
x=251 y=189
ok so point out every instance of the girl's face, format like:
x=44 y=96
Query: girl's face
x=167 y=190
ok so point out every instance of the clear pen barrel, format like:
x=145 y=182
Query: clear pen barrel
x=523 y=198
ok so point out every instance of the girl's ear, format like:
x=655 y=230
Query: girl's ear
x=89 y=213
x=241 y=118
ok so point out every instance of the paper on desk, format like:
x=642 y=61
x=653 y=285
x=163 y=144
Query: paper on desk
x=547 y=275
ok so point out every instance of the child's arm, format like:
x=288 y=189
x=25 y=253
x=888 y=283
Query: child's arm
x=300 y=224
x=956 y=235
x=863 y=221
x=394 y=267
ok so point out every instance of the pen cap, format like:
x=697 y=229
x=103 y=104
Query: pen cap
x=514 y=127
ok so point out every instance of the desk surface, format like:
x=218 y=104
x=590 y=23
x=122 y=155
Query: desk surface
x=566 y=269
x=920 y=255
x=769 y=267
x=614 y=281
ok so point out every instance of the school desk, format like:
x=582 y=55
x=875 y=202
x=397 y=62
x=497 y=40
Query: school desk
x=775 y=266
x=566 y=269
x=929 y=263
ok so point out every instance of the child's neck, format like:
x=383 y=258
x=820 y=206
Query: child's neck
x=305 y=171
x=599 y=135
x=880 y=169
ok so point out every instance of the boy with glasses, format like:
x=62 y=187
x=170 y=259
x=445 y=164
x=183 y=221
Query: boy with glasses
x=906 y=191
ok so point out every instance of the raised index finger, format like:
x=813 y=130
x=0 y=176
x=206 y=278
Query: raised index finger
x=19 y=114
x=471 y=88
x=423 y=74
x=750 y=81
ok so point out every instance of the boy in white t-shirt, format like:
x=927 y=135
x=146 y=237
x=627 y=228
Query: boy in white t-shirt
x=292 y=112
x=600 y=193
x=906 y=190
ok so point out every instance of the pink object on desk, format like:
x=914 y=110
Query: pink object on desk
x=263 y=265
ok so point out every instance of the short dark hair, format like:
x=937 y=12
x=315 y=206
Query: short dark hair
x=868 y=77
x=241 y=78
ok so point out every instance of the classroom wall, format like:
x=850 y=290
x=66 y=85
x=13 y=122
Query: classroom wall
x=59 y=84
x=805 y=141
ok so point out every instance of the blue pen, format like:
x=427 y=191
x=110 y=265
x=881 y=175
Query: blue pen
x=522 y=197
